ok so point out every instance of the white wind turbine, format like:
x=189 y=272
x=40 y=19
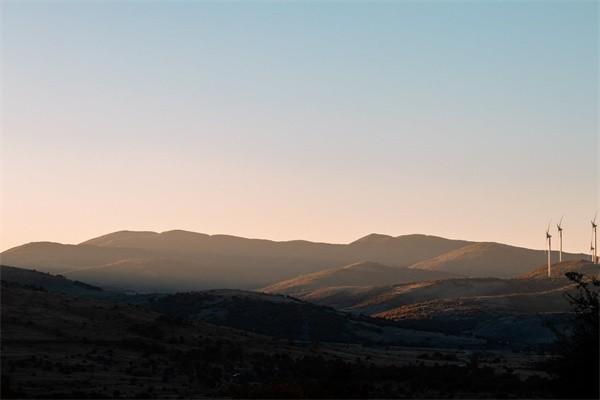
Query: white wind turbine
x=560 y=229
x=549 y=241
x=595 y=239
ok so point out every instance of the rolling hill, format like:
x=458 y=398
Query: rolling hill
x=285 y=317
x=558 y=270
x=548 y=301
x=268 y=314
x=493 y=308
x=375 y=300
x=363 y=274
x=526 y=318
x=46 y=281
x=488 y=260
x=334 y=289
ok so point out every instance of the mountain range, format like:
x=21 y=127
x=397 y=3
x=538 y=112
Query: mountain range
x=182 y=260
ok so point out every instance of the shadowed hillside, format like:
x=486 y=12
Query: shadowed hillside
x=46 y=281
x=525 y=318
x=57 y=346
x=285 y=317
x=273 y=315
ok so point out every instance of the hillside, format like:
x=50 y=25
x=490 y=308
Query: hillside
x=361 y=274
x=57 y=346
x=273 y=315
x=379 y=299
x=499 y=310
x=49 y=282
x=285 y=317
x=503 y=318
x=558 y=270
x=487 y=260
x=372 y=299
x=60 y=258
x=64 y=347
x=550 y=301
x=401 y=250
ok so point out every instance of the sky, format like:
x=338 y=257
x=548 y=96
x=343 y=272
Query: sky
x=318 y=120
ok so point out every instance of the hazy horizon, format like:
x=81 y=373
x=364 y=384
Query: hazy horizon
x=315 y=121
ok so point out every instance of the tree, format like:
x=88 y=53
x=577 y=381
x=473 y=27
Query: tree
x=577 y=367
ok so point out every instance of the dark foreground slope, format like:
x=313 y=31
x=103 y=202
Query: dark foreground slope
x=58 y=346
x=289 y=318
x=52 y=283
x=269 y=314
x=466 y=313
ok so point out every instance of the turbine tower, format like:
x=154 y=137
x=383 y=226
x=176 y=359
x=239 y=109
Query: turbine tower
x=560 y=229
x=595 y=239
x=549 y=240
x=592 y=247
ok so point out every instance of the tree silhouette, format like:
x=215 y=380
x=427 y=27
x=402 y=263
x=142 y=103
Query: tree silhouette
x=577 y=367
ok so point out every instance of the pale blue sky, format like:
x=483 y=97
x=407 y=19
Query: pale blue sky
x=315 y=120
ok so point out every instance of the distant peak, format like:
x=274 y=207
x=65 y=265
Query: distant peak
x=422 y=236
x=372 y=238
x=416 y=235
x=118 y=235
x=177 y=232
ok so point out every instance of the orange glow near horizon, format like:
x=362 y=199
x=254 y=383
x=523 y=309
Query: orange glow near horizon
x=327 y=123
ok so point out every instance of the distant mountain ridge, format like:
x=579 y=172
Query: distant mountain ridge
x=182 y=260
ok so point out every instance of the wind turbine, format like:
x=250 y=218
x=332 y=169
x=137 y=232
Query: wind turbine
x=595 y=239
x=549 y=240
x=560 y=229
